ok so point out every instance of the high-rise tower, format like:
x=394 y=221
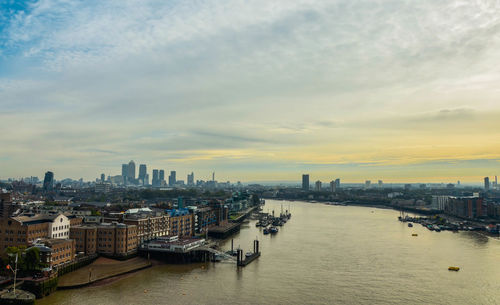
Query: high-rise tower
x=142 y=174
x=305 y=182
x=131 y=171
x=48 y=181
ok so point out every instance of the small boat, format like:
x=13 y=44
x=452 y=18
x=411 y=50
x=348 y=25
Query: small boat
x=414 y=234
x=266 y=231
x=453 y=268
x=410 y=225
x=273 y=230
x=248 y=254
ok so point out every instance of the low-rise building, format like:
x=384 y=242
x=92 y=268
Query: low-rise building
x=150 y=225
x=466 y=207
x=112 y=239
x=85 y=237
x=181 y=222
x=56 y=252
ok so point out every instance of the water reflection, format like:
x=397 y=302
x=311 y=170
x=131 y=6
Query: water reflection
x=478 y=239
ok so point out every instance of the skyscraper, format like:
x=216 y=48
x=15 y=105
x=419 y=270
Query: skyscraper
x=162 y=175
x=131 y=171
x=172 y=179
x=190 y=179
x=318 y=186
x=333 y=186
x=48 y=181
x=305 y=182
x=380 y=183
x=103 y=177
x=142 y=174
x=155 y=178
x=337 y=183
x=487 y=183
x=124 y=173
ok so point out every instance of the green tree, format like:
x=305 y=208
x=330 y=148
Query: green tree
x=32 y=258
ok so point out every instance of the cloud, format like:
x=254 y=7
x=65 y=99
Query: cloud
x=228 y=84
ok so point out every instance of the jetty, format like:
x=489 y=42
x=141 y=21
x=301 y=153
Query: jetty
x=242 y=261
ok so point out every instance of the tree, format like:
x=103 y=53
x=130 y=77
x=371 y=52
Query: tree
x=32 y=258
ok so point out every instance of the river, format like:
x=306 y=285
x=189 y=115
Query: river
x=323 y=255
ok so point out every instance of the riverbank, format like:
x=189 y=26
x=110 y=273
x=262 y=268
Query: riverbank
x=101 y=269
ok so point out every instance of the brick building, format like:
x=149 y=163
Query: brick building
x=85 y=238
x=56 y=252
x=181 y=222
x=112 y=239
x=149 y=225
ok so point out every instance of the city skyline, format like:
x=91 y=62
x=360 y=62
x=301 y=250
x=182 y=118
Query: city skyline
x=158 y=175
x=260 y=91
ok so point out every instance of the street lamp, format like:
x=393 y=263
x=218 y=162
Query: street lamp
x=15 y=273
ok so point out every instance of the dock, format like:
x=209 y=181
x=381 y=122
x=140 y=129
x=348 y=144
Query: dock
x=222 y=232
x=243 y=261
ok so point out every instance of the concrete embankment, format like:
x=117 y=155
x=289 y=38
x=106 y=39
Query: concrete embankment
x=101 y=269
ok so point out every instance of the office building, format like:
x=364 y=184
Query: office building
x=162 y=176
x=172 y=179
x=190 y=179
x=124 y=173
x=102 y=187
x=131 y=172
x=440 y=202
x=380 y=183
x=142 y=174
x=317 y=186
x=156 y=178
x=486 y=183
x=368 y=183
x=333 y=186
x=48 y=181
x=337 y=183
x=305 y=182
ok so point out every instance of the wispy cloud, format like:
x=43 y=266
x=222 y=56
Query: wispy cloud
x=235 y=84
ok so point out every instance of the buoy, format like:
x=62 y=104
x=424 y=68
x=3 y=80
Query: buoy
x=453 y=268
x=414 y=234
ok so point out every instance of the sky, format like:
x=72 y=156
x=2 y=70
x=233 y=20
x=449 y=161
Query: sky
x=255 y=90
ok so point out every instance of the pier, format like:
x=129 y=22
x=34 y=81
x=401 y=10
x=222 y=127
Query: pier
x=224 y=231
x=242 y=261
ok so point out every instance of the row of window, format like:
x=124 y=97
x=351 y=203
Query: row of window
x=60 y=228
x=62 y=234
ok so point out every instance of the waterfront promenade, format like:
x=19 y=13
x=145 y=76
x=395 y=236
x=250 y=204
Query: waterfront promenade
x=102 y=268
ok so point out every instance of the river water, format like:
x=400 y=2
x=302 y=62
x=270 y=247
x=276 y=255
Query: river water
x=323 y=255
